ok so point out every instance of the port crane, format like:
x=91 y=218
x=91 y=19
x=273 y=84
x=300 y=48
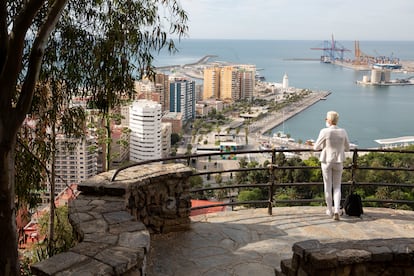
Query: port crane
x=330 y=51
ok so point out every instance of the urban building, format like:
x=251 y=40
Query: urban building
x=211 y=83
x=76 y=161
x=204 y=107
x=182 y=98
x=145 y=130
x=247 y=83
x=166 y=131
x=162 y=87
x=144 y=88
x=119 y=145
x=175 y=119
x=229 y=83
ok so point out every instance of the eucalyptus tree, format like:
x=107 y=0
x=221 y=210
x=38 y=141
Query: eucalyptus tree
x=99 y=45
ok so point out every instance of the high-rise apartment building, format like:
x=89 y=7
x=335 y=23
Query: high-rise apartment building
x=145 y=126
x=75 y=162
x=211 y=84
x=182 y=98
x=162 y=86
x=229 y=83
x=247 y=82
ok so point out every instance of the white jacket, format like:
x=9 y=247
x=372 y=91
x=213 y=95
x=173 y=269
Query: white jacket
x=333 y=141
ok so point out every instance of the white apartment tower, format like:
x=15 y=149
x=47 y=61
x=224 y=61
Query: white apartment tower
x=145 y=125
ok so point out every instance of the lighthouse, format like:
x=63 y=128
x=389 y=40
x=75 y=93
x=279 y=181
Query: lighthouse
x=285 y=83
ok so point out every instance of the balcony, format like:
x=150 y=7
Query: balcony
x=137 y=220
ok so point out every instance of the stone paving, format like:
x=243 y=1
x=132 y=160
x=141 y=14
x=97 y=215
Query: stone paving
x=250 y=242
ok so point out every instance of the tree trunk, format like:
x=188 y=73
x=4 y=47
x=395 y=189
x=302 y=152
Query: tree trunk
x=9 y=262
x=52 y=177
x=108 y=141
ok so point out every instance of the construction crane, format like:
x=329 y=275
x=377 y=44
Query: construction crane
x=330 y=50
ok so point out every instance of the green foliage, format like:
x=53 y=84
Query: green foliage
x=64 y=238
x=250 y=195
x=63 y=241
x=196 y=182
x=286 y=193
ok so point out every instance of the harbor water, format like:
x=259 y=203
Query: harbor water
x=366 y=112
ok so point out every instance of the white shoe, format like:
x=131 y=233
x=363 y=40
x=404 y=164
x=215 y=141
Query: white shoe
x=329 y=212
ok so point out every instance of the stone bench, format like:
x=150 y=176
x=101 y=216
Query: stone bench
x=356 y=257
x=113 y=220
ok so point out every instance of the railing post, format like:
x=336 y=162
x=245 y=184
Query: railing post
x=354 y=167
x=272 y=183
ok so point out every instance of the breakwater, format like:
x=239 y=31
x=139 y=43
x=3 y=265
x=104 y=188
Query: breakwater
x=274 y=119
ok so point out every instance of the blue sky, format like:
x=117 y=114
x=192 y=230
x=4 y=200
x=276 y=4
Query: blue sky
x=301 y=19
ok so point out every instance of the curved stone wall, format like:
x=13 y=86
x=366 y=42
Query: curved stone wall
x=352 y=258
x=113 y=220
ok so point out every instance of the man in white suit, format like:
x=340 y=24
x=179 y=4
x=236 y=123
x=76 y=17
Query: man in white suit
x=333 y=141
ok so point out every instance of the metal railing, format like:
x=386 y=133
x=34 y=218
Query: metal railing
x=273 y=182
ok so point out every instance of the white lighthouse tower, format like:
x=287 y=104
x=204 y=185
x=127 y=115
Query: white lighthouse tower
x=285 y=83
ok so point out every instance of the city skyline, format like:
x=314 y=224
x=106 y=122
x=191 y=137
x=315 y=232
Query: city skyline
x=299 y=19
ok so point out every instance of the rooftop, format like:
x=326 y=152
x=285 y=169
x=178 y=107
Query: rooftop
x=250 y=242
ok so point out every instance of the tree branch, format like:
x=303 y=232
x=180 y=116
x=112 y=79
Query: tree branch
x=35 y=58
x=3 y=34
x=22 y=23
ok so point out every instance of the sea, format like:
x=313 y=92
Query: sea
x=366 y=112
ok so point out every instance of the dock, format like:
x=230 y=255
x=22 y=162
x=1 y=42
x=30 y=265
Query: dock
x=275 y=119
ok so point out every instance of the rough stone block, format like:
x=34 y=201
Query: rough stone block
x=380 y=253
x=135 y=240
x=120 y=258
x=128 y=226
x=58 y=263
x=322 y=260
x=286 y=267
x=90 y=267
x=94 y=226
x=89 y=249
x=300 y=247
x=104 y=238
x=353 y=256
x=117 y=217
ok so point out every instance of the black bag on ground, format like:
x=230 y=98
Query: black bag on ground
x=353 y=205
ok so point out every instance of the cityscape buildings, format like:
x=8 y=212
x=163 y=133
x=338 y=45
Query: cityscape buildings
x=229 y=83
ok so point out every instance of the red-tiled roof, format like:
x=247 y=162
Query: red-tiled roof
x=196 y=203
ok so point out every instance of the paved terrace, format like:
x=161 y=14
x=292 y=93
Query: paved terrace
x=118 y=225
x=250 y=242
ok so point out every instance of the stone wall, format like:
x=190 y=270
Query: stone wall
x=113 y=220
x=359 y=258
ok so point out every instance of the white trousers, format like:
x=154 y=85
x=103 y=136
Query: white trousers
x=332 y=177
